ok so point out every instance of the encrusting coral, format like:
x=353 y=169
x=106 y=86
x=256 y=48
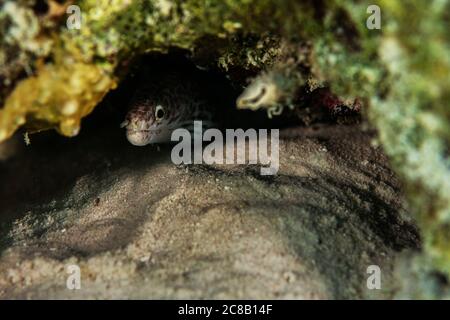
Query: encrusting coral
x=52 y=76
x=413 y=119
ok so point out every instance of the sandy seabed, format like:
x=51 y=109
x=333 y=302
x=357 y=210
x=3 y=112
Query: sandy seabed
x=139 y=226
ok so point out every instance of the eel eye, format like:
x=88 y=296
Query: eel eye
x=159 y=113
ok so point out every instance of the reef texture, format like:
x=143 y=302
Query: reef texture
x=51 y=77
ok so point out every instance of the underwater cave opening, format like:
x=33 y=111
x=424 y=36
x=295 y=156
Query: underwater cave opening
x=168 y=74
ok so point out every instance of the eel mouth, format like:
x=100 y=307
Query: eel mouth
x=146 y=136
x=138 y=137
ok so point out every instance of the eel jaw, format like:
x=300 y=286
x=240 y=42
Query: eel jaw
x=138 y=137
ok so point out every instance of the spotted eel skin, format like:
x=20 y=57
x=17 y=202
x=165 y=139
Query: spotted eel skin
x=163 y=103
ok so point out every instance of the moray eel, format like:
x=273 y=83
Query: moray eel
x=164 y=103
x=263 y=92
x=278 y=86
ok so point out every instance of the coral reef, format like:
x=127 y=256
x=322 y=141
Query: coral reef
x=52 y=76
x=413 y=119
x=113 y=32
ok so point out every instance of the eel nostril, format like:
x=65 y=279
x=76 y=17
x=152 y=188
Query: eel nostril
x=124 y=123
